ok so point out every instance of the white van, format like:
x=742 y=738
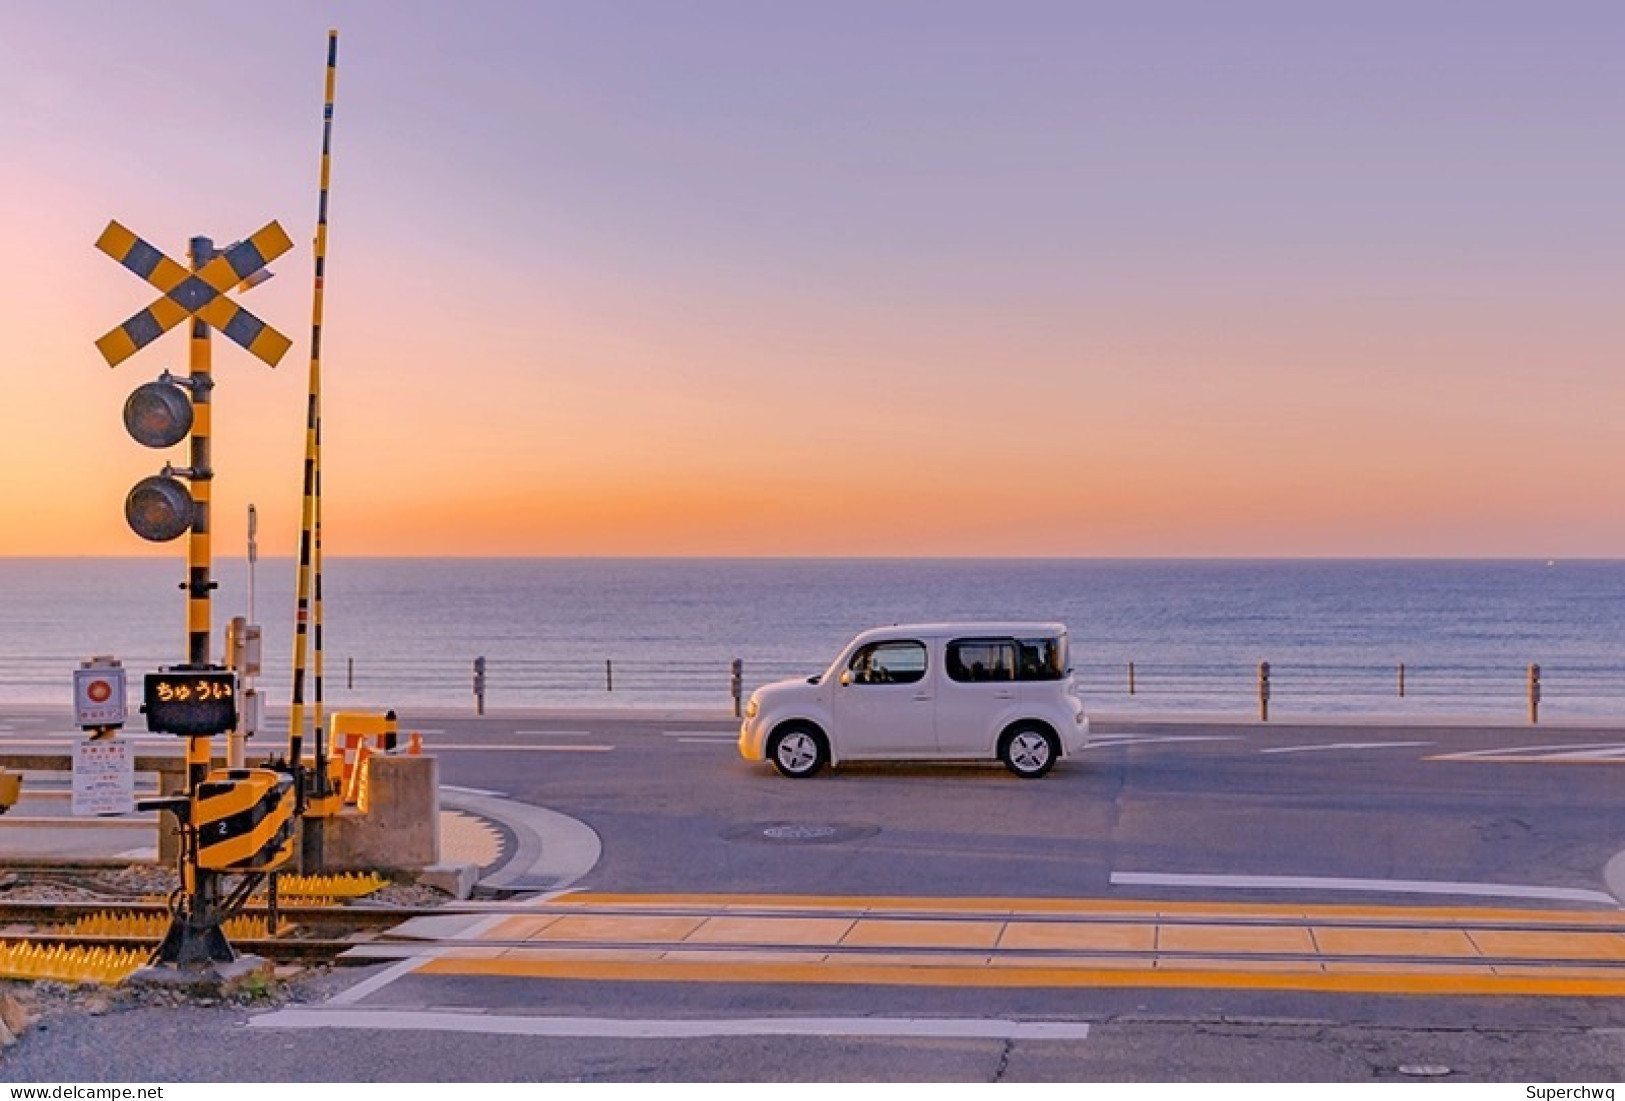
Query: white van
x=935 y=691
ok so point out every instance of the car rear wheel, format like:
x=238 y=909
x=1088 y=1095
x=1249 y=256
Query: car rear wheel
x=798 y=751
x=1029 y=751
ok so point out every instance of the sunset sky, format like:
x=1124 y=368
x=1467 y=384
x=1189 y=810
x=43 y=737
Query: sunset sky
x=843 y=278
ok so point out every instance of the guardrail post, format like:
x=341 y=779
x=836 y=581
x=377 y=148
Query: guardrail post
x=1401 y=680
x=736 y=686
x=609 y=676
x=1534 y=694
x=349 y=673
x=479 y=686
x=1263 y=691
x=1131 y=678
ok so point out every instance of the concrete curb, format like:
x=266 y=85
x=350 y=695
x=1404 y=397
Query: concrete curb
x=551 y=850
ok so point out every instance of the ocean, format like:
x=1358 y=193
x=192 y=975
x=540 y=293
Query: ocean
x=663 y=632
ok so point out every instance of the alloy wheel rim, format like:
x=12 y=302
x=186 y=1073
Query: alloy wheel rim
x=796 y=752
x=1029 y=751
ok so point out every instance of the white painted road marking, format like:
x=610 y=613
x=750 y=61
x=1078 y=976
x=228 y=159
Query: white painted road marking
x=1602 y=751
x=956 y=1028
x=472 y=791
x=1343 y=745
x=1148 y=739
x=553 y=733
x=1327 y=883
x=729 y=734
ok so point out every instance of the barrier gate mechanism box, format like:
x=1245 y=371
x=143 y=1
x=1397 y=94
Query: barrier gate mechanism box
x=244 y=820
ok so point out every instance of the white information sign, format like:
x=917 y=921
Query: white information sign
x=98 y=693
x=103 y=776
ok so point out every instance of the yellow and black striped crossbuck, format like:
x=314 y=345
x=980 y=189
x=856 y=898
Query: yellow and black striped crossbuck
x=188 y=293
x=244 y=820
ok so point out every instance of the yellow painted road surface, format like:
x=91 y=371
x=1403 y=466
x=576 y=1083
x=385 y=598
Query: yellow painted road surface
x=1011 y=942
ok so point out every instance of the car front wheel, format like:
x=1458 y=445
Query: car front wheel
x=1029 y=751
x=798 y=752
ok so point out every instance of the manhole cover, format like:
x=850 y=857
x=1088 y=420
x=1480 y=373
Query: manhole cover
x=797 y=833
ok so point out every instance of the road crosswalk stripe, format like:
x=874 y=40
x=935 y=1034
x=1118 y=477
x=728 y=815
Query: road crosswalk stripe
x=957 y=1028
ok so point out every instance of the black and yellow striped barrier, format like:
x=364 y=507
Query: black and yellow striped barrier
x=244 y=820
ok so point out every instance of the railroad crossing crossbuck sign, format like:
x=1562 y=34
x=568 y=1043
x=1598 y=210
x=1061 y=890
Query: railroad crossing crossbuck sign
x=200 y=294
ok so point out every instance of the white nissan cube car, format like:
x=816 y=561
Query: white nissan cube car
x=936 y=691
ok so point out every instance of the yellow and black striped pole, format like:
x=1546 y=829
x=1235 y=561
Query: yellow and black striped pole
x=199 y=583
x=308 y=582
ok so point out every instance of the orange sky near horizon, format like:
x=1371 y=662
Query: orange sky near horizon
x=766 y=292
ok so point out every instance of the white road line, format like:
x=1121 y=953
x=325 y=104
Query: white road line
x=1326 y=883
x=699 y=733
x=1342 y=745
x=702 y=740
x=527 y=748
x=1148 y=739
x=1547 y=750
x=958 y=1028
x=1588 y=754
x=553 y=733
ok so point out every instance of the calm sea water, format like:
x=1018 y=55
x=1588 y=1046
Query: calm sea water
x=1334 y=632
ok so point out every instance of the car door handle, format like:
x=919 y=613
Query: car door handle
x=1004 y=695
x=922 y=697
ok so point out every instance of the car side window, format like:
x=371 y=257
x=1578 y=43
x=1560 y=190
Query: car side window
x=893 y=662
x=1041 y=658
x=975 y=660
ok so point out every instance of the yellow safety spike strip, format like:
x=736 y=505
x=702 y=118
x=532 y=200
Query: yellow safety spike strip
x=329 y=886
x=306 y=900
x=153 y=926
x=106 y=966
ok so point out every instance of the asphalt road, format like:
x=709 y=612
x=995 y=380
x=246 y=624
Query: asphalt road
x=1243 y=814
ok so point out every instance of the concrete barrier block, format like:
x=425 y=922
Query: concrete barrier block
x=457 y=880
x=398 y=826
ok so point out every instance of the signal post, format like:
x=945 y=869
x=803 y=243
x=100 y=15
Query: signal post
x=235 y=820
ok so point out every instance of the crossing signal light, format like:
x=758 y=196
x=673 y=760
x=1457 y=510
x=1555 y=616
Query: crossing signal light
x=158 y=414
x=159 y=508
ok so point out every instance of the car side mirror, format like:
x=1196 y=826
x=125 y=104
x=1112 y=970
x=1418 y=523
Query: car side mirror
x=846 y=678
